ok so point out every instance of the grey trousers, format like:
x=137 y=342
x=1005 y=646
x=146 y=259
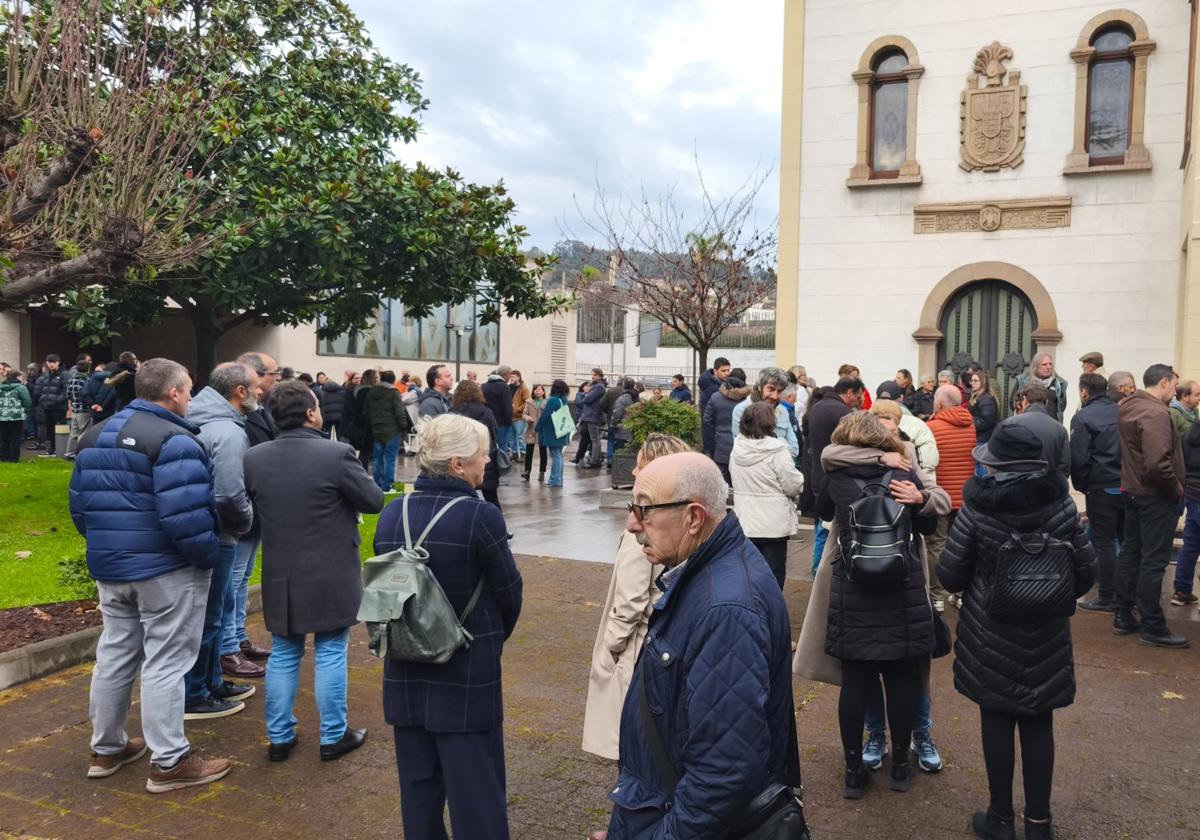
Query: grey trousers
x=80 y=421
x=153 y=626
x=935 y=544
x=596 y=456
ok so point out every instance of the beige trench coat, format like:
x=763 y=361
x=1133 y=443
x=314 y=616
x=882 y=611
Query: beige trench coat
x=811 y=661
x=623 y=625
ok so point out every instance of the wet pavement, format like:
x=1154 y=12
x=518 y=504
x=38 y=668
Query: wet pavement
x=1126 y=758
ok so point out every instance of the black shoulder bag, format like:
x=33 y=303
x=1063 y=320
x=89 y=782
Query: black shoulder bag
x=775 y=814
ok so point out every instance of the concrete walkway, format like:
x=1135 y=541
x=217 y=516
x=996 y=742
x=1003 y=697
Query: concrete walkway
x=1126 y=750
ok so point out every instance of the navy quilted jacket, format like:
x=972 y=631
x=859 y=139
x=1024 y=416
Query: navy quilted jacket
x=717 y=661
x=142 y=495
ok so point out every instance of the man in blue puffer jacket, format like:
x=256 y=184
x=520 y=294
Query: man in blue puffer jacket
x=142 y=496
x=715 y=664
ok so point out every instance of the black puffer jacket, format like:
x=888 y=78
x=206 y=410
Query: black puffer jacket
x=718 y=418
x=1191 y=458
x=333 y=401
x=874 y=623
x=50 y=390
x=1017 y=669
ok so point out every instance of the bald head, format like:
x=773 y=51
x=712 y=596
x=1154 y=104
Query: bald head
x=670 y=534
x=946 y=396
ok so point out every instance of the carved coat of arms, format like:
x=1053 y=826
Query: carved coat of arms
x=993 y=116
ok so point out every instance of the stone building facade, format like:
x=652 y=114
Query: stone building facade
x=985 y=181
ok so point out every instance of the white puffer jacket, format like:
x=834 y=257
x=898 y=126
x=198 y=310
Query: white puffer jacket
x=766 y=485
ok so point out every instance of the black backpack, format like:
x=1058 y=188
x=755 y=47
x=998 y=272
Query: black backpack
x=880 y=536
x=1034 y=580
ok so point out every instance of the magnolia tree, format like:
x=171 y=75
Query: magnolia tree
x=696 y=273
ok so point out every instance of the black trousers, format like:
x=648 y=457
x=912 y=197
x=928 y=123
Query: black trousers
x=1105 y=516
x=724 y=468
x=1037 y=760
x=491 y=494
x=10 y=440
x=54 y=416
x=1145 y=552
x=901 y=682
x=774 y=550
x=529 y=459
x=464 y=768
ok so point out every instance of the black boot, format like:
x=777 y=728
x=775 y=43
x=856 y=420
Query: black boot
x=525 y=476
x=1038 y=830
x=902 y=771
x=856 y=776
x=988 y=826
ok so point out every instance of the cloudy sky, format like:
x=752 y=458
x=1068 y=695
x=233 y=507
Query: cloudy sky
x=551 y=96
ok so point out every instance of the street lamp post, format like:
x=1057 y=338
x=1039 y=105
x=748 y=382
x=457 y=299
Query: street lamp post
x=458 y=330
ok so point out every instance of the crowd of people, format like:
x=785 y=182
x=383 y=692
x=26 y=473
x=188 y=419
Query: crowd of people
x=915 y=495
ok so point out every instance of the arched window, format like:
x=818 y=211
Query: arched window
x=1110 y=90
x=1110 y=96
x=887 y=78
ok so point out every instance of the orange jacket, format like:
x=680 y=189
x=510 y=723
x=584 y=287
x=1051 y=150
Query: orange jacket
x=954 y=430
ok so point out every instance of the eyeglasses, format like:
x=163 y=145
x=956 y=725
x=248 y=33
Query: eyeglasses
x=639 y=511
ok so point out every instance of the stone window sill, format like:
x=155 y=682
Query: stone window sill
x=898 y=181
x=1129 y=166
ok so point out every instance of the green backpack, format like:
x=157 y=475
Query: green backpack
x=407 y=612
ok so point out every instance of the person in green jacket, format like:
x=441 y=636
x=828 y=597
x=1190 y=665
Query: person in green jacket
x=389 y=422
x=14 y=407
x=1183 y=407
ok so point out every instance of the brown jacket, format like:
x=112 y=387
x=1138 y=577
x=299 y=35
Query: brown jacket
x=520 y=396
x=1151 y=453
x=954 y=430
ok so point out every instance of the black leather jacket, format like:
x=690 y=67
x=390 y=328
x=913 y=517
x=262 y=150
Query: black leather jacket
x=1095 y=446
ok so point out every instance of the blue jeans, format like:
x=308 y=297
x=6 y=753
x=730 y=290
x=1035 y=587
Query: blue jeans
x=385 y=453
x=206 y=671
x=877 y=720
x=516 y=443
x=556 y=466
x=283 y=678
x=1185 y=560
x=233 y=633
x=820 y=534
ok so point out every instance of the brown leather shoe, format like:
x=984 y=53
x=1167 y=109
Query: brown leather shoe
x=255 y=653
x=190 y=770
x=106 y=765
x=237 y=667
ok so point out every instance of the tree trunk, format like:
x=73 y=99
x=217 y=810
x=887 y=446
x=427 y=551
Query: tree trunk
x=207 y=332
x=702 y=352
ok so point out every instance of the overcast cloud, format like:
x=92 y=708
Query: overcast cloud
x=549 y=96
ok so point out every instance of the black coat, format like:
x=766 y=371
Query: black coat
x=986 y=413
x=50 y=390
x=921 y=404
x=1018 y=669
x=1191 y=458
x=717 y=423
x=483 y=414
x=310 y=490
x=822 y=418
x=499 y=399
x=1096 y=446
x=334 y=401
x=875 y=623
x=1056 y=446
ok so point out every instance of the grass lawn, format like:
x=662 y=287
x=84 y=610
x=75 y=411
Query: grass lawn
x=33 y=508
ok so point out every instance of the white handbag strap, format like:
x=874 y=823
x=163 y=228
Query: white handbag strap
x=408 y=542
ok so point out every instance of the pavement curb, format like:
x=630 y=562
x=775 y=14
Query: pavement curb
x=51 y=655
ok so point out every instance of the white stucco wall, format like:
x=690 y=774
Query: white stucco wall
x=864 y=275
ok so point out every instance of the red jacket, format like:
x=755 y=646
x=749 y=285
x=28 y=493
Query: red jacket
x=954 y=430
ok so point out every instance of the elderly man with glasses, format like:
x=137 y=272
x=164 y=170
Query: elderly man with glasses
x=708 y=721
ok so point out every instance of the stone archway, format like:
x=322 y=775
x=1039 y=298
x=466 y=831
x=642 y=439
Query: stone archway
x=928 y=334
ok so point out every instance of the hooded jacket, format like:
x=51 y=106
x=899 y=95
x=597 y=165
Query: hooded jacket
x=14 y=401
x=433 y=403
x=142 y=495
x=766 y=485
x=616 y=424
x=681 y=394
x=709 y=385
x=784 y=430
x=1096 y=446
x=50 y=390
x=954 y=430
x=385 y=412
x=592 y=412
x=716 y=664
x=1151 y=454
x=717 y=423
x=1182 y=416
x=923 y=441
x=223 y=436
x=1017 y=669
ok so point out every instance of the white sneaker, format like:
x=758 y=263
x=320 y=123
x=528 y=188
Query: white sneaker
x=940 y=606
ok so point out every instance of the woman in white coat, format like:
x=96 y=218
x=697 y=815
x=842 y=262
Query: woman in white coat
x=623 y=624
x=766 y=485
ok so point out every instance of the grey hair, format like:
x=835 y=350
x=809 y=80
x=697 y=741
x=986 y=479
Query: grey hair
x=226 y=377
x=253 y=361
x=703 y=483
x=1120 y=377
x=774 y=376
x=503 y=370
x=949 y=374
x=156 y=377
x=1037 y=359
x=450 y=436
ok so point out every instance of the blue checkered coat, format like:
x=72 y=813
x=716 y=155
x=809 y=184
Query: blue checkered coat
x=462 y=695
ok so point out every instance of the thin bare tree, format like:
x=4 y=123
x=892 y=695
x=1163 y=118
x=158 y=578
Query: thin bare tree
x=697 y=275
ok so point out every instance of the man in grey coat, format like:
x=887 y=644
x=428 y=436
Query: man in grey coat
x=309 y=491
x=220 y=411
x=1033 y=412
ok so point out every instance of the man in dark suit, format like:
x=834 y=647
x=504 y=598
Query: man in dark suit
x=309 y=491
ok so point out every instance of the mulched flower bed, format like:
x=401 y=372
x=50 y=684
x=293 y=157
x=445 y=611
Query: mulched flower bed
x=21 y=626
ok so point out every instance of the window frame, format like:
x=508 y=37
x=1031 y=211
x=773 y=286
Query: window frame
x=1124 y=56
x=878 y=82
x=863 y=174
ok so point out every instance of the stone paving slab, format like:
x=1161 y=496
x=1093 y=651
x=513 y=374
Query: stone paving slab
x=1125 y=767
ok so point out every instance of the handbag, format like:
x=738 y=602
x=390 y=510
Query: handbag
x=503 y=460
x=1034 y=580
x=407 y=613
x=942 y=641
x=564 y=424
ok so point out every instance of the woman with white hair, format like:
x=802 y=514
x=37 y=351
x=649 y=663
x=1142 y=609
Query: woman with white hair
x=447 y=718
